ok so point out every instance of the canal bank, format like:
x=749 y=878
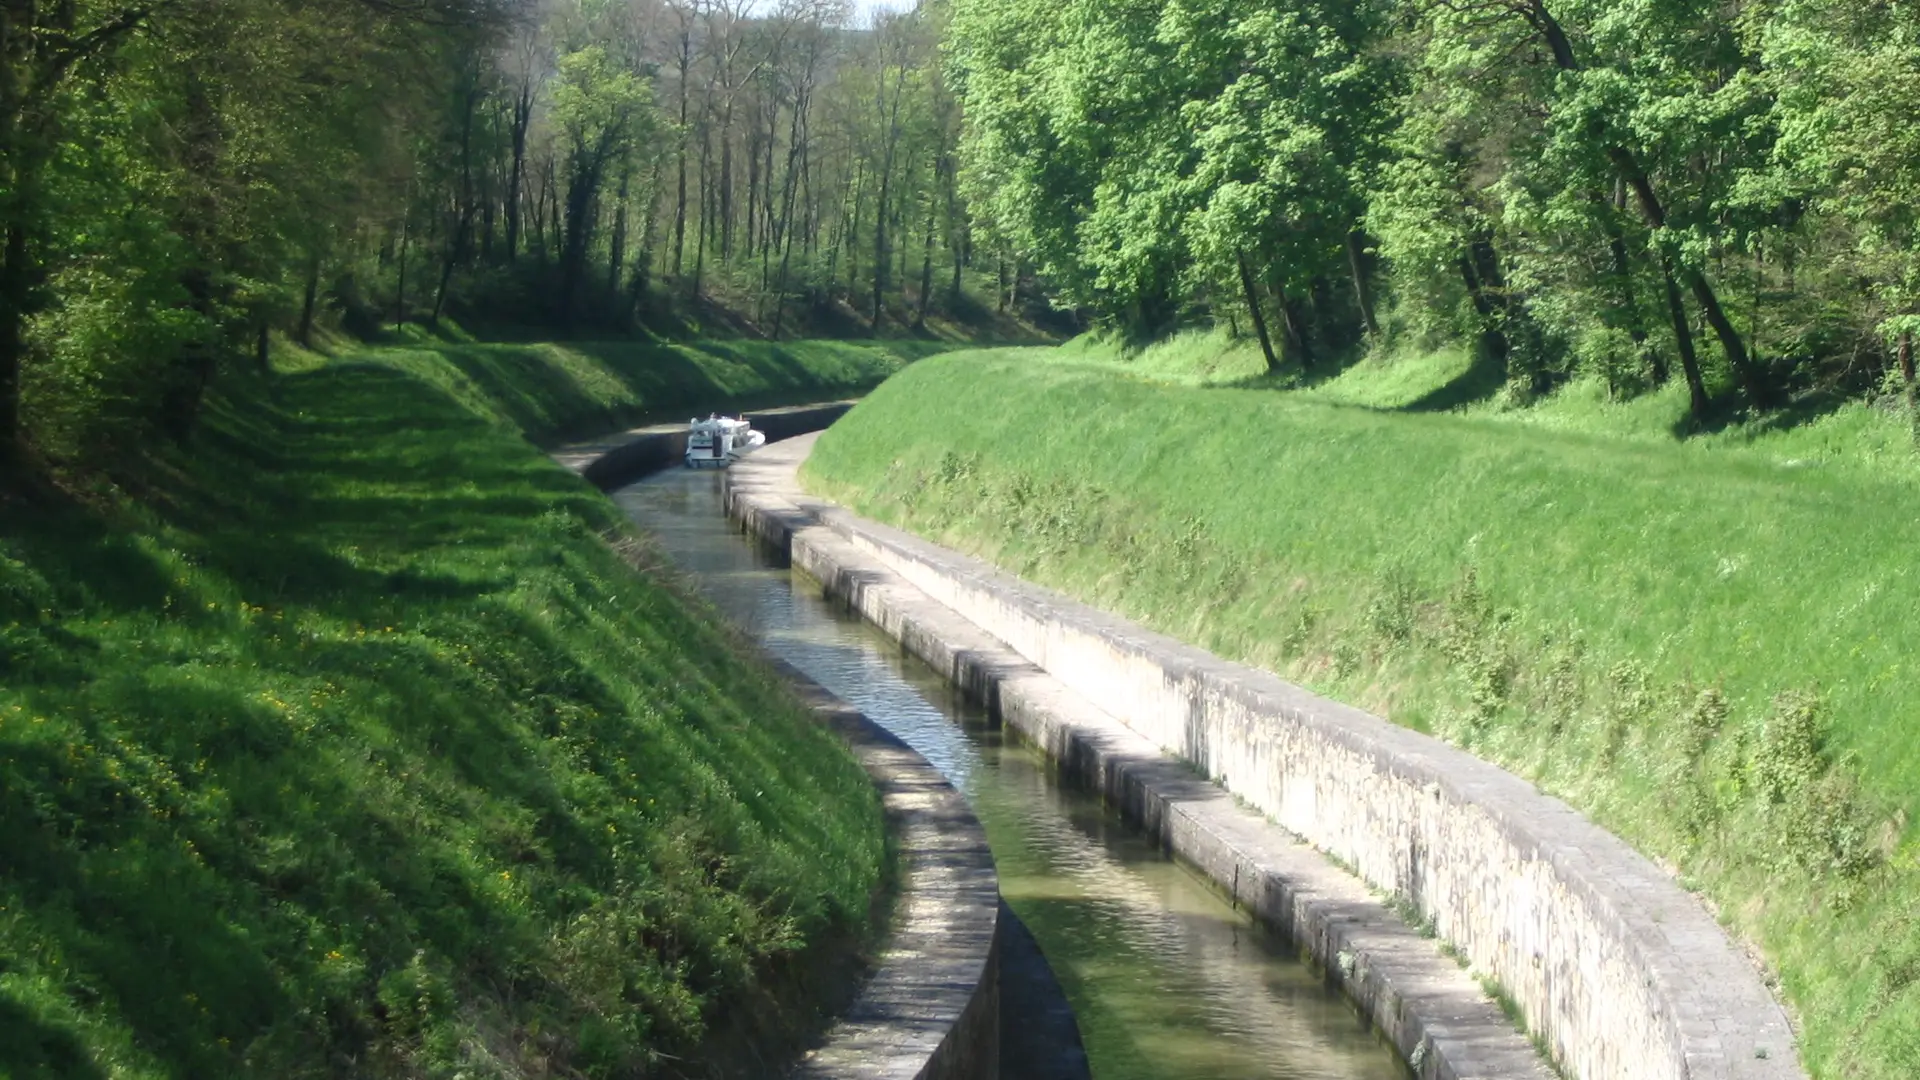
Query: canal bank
x=931 y=1005
x=1169 y=981
x=1625 y=975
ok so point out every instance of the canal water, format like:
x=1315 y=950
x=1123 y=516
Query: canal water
x=1166 y=979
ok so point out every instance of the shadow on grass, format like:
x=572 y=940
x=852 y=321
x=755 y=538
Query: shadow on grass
x=1292 y=376
x=1727 y=411
x=38 y=1051
x=546 y=400
x=354 y=688
x=1481 y=381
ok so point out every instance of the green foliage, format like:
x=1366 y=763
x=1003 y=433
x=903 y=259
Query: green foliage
x=1637 y=624
x=354 y=746
x=1620 y=190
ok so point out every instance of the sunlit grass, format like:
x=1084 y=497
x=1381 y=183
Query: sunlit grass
x=1701 y=644
x=345 y=743
x=549 y=390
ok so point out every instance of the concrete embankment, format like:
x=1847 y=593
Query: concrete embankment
x=931 y=1011
x=1618 y=971
x=931 y=1008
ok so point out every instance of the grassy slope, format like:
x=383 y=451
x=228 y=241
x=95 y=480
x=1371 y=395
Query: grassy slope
x=550 y=391
x=346 y=745
x=1702 y=646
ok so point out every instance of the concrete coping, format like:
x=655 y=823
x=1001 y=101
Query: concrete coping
x=1618 y=971
x=930 y=1009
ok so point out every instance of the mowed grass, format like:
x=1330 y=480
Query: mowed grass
x=1704 y=646
x=350 y=742
x=549 y=391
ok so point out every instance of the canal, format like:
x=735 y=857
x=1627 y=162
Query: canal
x=1166 y=979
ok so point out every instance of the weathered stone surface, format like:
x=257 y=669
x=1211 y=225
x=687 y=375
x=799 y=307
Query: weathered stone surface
x=1622 y=973
x=931 y=1011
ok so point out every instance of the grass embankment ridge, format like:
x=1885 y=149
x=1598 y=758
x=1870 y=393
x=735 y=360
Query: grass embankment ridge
x=345 y=743
x=1703 y=649
x=553 y=391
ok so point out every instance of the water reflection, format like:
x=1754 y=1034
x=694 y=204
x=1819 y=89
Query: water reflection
x=1166 y=979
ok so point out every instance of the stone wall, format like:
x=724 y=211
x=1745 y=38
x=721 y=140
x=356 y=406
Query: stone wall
x=1620 y=973
x=931 y=1008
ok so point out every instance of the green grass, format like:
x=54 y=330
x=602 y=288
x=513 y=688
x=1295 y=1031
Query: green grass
x=552 y=391
x=345 y=744
x=1704 y=645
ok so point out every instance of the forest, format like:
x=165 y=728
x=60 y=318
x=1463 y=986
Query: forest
x=187 y=181
x=1639 y=190
x=1642 y=190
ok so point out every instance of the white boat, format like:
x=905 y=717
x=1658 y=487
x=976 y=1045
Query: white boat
x=718 y=441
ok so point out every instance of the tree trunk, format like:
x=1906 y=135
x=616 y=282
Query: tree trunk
x=1636 y=177
x=1683 y=342
x=1357 y=263
x=1508 y=316
x=926 y=270
x=400 y=294
x=726 y=181
x=517 y=172
x=583 y=197
x=852 y=230
x=706 y=211
x=457 y=250
x=680 y=213
x=1253 y=309
x=540 y=215
x=1730 y=341
x=1296 y=333
x=1906 y=355
x=685 y=65
x=1623 y=281
x=953 y=287
x=554 y=235
x=880 y=261
x=14 y=292
x=880 y=257
x=309 y=302
x=617 y=255
x=1493 y=337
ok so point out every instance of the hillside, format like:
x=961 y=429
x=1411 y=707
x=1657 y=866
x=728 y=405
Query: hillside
x=349 y=740
x=1700 y=644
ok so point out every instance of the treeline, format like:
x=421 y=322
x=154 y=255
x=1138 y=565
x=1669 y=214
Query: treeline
x=765 y=154
x=182 y=179
x=174 y=174
x=1725 y=194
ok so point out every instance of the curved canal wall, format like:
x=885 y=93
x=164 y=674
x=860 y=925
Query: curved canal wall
x=931 y=1008
x=627 y=456
x=931 y=1011
x=1619 y=972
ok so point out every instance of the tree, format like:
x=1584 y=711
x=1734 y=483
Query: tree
x=604 y=114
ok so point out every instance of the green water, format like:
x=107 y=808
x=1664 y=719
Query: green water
x=1167 y=980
